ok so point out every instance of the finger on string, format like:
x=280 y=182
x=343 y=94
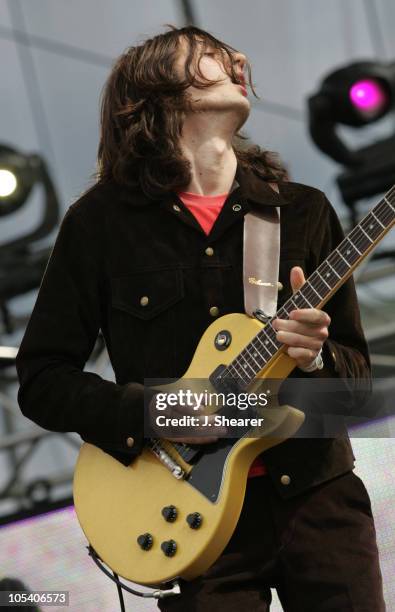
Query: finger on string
x=299 y=341
x=310 y=316
x=301 y=328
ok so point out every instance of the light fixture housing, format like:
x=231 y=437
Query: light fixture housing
x=355 y=95
x=26 y=172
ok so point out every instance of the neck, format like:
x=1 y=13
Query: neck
x=208 y=148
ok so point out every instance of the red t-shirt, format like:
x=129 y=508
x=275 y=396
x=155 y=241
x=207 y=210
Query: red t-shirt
x=206 y=210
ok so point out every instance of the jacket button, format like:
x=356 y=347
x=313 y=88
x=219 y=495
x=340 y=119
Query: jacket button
x=214 y=310
x=129 y=442
x=144 y=300
x=285 y=479
x=280 y=286
x=209 y=251
x=176 y=207
x=236 y=207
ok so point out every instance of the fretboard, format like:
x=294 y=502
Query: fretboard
x=317 y=289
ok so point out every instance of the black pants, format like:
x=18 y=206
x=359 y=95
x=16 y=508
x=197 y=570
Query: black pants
x=318 y=550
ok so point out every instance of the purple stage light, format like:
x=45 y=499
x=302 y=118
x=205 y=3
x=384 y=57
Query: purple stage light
x=368 y=96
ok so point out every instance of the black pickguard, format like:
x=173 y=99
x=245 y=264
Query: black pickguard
x=207 y=472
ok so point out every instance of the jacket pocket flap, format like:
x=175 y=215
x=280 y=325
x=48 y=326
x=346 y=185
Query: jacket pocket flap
x=146 y=294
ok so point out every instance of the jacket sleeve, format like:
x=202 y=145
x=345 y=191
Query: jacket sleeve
x=345 y=352
x=54 y=390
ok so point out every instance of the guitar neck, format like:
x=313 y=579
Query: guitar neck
x=318 y=288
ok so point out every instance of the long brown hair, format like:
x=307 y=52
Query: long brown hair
x=142 y=108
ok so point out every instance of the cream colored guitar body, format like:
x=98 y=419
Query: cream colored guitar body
x=117 y=504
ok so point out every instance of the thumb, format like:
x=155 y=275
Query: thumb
x=297 y=278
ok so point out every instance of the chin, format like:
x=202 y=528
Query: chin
x=224 y=103
x=244 y=113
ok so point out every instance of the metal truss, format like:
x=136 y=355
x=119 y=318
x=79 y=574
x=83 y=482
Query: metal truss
x=18 y=446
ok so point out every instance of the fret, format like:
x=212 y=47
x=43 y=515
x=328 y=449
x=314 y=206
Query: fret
x=371 y=225
x=267 y=336
x=245 y=364
x=266 y=343
x=242 y=377
x=254 y=367
x=258 y=351
x=368 y=237
x=332 y=268
x=288 y=304
x=360 y=237
x=279 y=313
x=271 y=335
x=297 y=297
x=311 y=287
x=377 y=219
x=231 y=366
x=327 y=274
x=238 y=375
x=323 y=280
x=353 y=246
x=338 y=263
x=349 y=251
x=265 y=347
x=252 y=355
x=345 y=260
x=383 y=212
x=309 y=296
x=319 y=284
x=389 y=203
x=274 y=342
x=247 y=359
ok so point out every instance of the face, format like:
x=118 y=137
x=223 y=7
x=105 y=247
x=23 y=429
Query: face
x=223 y=95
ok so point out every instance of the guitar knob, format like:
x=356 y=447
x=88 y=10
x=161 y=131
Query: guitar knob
x=194 y=520
x=169 y=513
x=145 y=541
x=169 y=547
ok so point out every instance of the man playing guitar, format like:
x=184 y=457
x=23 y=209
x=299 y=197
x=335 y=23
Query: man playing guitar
x=150 y=254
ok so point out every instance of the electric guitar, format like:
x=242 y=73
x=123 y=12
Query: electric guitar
x=172 y=511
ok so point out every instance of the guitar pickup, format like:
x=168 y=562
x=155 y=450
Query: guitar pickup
x=225 y=383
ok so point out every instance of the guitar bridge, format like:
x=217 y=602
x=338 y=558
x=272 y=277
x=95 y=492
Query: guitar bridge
x=167 y=460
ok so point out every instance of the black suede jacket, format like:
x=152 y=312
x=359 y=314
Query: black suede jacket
x=116 y=246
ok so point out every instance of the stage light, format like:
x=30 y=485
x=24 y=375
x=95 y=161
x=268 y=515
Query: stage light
x=18 y=173
x=8 y=183
x=356 y=95
x=368 y=97
x=22 y=259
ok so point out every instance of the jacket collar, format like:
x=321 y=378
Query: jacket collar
x=257 y=189
x=247 y=184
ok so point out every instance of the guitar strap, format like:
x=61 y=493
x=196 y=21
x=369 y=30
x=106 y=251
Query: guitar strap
x=261 y=261
x=261 y=258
